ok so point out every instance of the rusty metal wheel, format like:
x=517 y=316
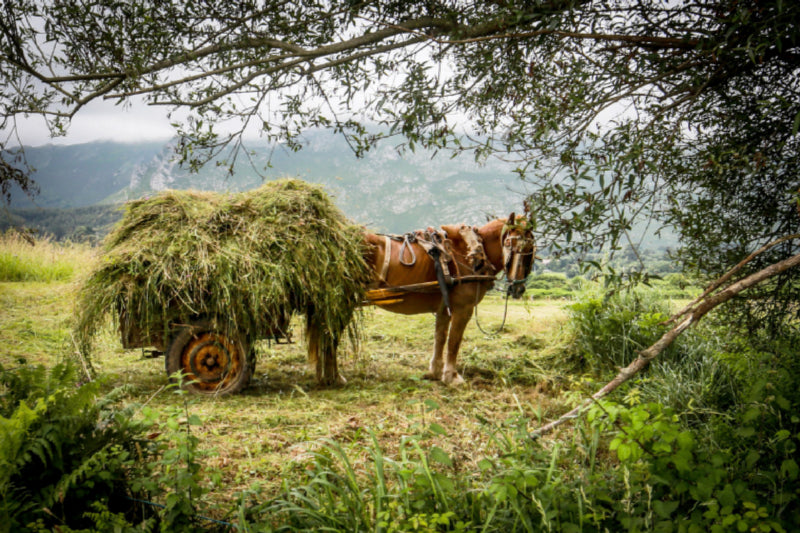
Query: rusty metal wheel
x=210 y=361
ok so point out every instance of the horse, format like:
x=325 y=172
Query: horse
x=476 y=256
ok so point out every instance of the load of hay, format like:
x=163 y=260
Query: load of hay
x=244 y=261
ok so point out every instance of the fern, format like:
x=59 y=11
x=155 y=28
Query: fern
x=105 y=520
x=14 y=431
x=93 y=466
x=61 y=450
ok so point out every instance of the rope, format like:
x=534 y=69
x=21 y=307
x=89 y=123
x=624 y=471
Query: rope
x=502 y=324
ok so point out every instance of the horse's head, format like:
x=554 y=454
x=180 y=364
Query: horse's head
x=519 y=251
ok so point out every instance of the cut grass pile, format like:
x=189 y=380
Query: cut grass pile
x=244 y=261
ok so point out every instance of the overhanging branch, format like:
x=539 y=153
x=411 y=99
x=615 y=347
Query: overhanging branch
x=693 y=313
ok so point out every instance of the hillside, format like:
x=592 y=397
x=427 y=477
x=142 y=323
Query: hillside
x=385 y=190
x=77 y=224
x=82 y=174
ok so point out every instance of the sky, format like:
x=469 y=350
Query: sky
x=102 y=121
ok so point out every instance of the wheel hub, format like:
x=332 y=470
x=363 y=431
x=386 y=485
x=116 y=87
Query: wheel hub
x=211 y=360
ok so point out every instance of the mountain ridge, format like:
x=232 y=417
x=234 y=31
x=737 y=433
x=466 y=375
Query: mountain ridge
x=385 y=190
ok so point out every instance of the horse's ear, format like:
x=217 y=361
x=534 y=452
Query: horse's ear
x=510 y=219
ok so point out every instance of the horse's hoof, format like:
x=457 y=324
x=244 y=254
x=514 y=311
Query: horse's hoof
x=431 y=376
x=453 y=380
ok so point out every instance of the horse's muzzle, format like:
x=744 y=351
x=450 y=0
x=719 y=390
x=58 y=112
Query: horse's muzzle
x=516 y=290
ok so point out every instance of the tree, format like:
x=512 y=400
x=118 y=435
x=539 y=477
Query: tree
x=682 y=114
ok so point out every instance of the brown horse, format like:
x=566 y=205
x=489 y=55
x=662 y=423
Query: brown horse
x=507 y=247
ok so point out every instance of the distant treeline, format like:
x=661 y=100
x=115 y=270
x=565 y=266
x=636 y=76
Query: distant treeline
x=79 y=224
x=654 y=260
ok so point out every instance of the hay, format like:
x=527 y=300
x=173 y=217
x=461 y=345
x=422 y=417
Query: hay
x=244 y=261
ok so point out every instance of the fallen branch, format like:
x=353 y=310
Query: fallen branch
x=694 y=313
x=716 y=284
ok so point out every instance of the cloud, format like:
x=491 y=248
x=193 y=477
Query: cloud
x=102 y=121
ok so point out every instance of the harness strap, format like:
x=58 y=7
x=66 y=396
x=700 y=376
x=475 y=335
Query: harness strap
x=442 y=275
x=408 y=239
x=440 y=249
x=387 y=256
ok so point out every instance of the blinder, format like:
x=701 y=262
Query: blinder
x=519 y=252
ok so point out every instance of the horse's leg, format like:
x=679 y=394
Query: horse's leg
x=439 y=338
x=327 y=365
x=458 y=323
x=322 y=352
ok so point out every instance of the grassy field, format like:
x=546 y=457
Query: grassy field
x=265 y=433
x=711 y=425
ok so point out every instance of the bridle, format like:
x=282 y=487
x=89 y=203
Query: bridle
x=514 y=253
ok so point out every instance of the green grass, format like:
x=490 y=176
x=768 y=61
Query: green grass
x=391 y=445
x=267 y=434
x=40 y=260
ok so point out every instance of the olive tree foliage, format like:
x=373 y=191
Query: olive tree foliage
x=679 y=114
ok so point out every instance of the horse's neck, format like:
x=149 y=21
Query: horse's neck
x=491 y=234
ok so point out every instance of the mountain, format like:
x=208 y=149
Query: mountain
x=81 y=175
x=385 y=190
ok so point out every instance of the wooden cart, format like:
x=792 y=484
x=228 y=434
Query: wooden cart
x=210 y=359
x=214 y=361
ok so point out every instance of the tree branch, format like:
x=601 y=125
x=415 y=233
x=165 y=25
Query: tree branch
x=695 y=313
x=713 y=286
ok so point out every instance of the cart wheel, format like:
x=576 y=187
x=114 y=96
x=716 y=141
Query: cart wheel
x=211 y=361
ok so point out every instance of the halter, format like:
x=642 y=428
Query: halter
x=513 y=246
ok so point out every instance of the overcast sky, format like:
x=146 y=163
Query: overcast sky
x=102 y=121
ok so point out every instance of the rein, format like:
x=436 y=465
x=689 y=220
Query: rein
x=511 y=258
x=502 y=324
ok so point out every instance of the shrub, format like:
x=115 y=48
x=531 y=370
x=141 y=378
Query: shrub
x=62 y=453
x=684 y=482
x=689 y=376
x=70 y=460
x=608 y=332
x=552 y=285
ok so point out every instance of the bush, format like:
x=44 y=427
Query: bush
x=685 y=482
x=552 y=285
x=608 y=332
x=70 y=460
x=62 y=453
x=712 y=421
x=688 y=377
